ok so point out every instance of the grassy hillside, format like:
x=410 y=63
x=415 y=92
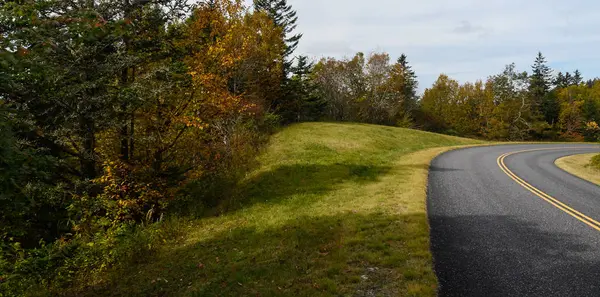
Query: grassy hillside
x=333 y=209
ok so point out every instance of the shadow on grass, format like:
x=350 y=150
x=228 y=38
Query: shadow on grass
x=281 y=183
x=366 y=255
x=345 y=255
x=505 y=256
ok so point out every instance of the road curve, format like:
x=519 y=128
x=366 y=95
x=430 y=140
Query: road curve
x=493 y=234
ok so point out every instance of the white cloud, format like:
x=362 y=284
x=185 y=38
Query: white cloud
x=468 y=39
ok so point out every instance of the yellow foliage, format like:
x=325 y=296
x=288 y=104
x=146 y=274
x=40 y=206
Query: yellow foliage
x=592 y=126
x=240 y=62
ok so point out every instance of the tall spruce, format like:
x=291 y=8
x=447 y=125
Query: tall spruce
x=577 y=78
x=285 y=18
x=539 y=87
x=568 y=79
x=306 y=104
x=560 y=81
x=410 y=85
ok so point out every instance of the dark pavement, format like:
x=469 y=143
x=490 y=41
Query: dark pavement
x=490 y=236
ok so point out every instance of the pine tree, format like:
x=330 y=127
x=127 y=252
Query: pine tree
x=560 y=81
x=284 y=17
x=410 y=86
x=539 y=86
x=292 y=87
x=591 y=82
x=540 y=79
x=302 y=102
x=568 y=79
x=577 y=78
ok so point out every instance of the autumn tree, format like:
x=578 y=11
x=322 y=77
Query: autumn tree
x=591 y=107
x=437 y=102
x=572 y=100
x=378 y=106
x=366 y=89
x=329 y=77
x=514 y=114
x=234 y=63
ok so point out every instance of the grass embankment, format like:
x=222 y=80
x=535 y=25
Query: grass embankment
x=334 y=209
x=585 y=166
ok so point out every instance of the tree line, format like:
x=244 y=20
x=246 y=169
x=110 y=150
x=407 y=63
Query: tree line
x=115 y=114
x=511 y=105
x=516 y=105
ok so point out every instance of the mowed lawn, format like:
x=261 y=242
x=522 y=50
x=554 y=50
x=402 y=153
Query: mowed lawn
x=333 y=210
x=585 y=166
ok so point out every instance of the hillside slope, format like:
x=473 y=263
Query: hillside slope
x=333 y=209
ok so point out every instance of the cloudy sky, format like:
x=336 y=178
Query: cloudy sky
x=466 y=39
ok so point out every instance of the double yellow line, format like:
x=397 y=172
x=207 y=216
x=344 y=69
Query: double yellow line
x=569 y=210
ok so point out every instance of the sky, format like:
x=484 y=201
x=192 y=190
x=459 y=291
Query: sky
x=465 y=39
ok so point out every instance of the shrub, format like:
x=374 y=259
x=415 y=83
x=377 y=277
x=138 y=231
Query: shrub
x=591 y=132
x=595 y=163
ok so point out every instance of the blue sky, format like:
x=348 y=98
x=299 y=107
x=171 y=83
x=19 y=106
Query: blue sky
x=466 y=39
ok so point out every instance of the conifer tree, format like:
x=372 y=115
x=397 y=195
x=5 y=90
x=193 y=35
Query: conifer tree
x=577 y=78
x=539 y=87
x=284 y=17
x=410 y=84
x=568 y=79
x=560 y=81
x=292 y=86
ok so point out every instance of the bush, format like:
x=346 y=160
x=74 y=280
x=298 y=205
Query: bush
x=592 y=132
x=595 y=163
x=50 y=268
x=572 y=136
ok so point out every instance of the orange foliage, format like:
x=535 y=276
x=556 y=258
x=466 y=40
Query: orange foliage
x=240 y=62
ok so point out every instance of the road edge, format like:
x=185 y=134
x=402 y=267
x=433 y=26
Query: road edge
x=576 y=165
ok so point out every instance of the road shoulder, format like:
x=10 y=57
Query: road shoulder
x=578 y=165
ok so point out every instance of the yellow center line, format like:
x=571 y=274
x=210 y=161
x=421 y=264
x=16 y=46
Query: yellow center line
x=553 y=201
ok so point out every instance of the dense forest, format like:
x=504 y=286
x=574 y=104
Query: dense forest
x=117 y=114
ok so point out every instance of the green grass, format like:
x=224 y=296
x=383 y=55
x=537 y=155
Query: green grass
x=585 y=166
x=333 y=210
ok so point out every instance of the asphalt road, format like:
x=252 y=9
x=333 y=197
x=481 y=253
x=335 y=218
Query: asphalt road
x=491 y=236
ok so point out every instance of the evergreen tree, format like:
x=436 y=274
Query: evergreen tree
x=290 y=101
x=591 y=82
x=560 y=81
x=568 y=80
x=284 y=17
x=551 y=107
x=591 y=110
x=303 y=102
x=410 y=85
x=539 y=87
x=577 y=78
x=539 y=80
